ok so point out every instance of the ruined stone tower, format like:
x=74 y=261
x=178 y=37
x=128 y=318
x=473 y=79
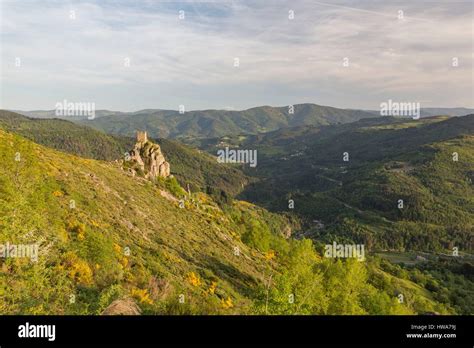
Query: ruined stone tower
x=142 y=137
x=147 y=158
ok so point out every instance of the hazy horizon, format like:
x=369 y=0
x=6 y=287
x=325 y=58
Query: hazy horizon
x=252 y=107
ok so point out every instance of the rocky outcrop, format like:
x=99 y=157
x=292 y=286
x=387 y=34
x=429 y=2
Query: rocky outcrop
x=147 y=159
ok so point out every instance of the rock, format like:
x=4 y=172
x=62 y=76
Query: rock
x=147 y=158
x=287 y=232
x=124 y=306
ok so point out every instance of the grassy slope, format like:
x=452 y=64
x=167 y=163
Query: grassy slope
x=111 y=208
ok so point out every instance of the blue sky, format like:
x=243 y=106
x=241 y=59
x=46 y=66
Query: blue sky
x=190 y=61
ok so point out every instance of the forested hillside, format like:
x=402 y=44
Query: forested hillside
x=214 y=123
x=428 y=165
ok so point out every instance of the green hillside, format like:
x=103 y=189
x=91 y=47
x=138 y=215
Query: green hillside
x=389 y=160
x=190 y=166
x=82 y=249
x=216 y=123
x=63 y=135
x=105 y=236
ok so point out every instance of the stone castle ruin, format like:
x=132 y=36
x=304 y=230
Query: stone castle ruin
x=142 y=137
x=147 y=159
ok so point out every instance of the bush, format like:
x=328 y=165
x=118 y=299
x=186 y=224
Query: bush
x=257 y=236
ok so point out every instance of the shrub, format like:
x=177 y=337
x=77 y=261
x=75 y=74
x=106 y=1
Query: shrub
x=78 y=269
x=194 y=279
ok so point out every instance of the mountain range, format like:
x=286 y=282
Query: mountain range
x=215 y=123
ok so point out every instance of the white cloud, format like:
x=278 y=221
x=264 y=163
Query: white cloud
x=389 y=58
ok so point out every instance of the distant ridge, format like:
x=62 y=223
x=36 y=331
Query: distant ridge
x=216 y=123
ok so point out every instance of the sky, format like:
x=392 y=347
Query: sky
x=133 y=55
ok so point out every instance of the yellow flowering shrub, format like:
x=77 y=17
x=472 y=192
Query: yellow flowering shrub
x=227 y=303
x=117 y=248
x=124 y=261
x=270 y=255
x=78 y=269
x=212 y=288
x=194 y=279
x=141 y=295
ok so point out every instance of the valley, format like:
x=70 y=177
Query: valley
x=221 y=238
